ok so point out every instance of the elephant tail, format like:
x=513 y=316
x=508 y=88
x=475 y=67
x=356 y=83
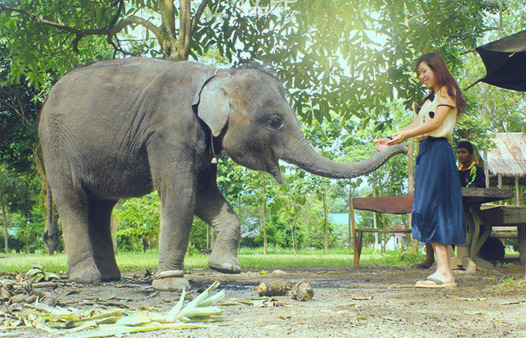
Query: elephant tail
x=51 y=235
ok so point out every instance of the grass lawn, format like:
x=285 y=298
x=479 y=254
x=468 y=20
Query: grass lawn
x=250 y=258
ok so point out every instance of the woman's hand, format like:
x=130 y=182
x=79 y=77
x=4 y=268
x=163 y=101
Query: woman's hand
x=382 y=143
x=398 y=138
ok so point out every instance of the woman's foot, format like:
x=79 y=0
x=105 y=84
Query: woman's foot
x=430 y=282
x=437 y=280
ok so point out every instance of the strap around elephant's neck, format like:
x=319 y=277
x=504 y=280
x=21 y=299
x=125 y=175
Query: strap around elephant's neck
x=216 y=157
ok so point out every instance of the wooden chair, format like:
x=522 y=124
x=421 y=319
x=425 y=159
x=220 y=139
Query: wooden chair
x=386 y=204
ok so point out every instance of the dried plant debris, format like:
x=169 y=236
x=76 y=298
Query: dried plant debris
x=39 y=274
x=102 y=322
x=256 y=302
x=302 y=291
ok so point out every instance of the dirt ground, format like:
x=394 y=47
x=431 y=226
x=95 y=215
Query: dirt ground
x=365 y=302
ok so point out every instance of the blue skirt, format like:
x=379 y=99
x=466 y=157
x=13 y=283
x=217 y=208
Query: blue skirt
x=438 y=215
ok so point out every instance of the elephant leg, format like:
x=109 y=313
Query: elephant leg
x=177 y=205
x=212 y=208
x=99 y=223
x=73 y=211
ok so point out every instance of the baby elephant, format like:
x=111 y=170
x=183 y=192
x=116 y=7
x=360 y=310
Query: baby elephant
x=124 y=128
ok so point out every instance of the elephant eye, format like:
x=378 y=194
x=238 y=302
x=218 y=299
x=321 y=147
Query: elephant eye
x=274 y=121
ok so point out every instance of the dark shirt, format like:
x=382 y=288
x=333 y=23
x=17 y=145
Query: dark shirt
x=473 y=176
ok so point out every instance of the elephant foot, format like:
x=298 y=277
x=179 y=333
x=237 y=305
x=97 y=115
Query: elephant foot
x=110 y=276
x=84 y=273
x=171 y=284
x=108 y=269
x=224 y=263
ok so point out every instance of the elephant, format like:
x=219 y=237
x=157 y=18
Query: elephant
x=124 y=128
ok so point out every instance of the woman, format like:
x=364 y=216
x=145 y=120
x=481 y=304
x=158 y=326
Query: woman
x=438 y=217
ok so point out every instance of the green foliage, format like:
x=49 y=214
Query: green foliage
x=20 y=202
x=198 y=236
x=138 y=222
x=331 y=53
x=138 y=226
x=348 y=66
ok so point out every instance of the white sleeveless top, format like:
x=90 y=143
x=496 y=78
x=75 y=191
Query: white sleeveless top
x=428 y=112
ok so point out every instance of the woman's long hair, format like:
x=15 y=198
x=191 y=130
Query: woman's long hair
x=443 y=78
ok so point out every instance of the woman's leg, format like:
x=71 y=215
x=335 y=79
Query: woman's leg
x=444 y=273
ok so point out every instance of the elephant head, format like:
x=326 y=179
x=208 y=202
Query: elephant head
x=247 y=108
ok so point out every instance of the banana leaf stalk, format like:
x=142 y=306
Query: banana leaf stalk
x=199 y=308
x=104 y=323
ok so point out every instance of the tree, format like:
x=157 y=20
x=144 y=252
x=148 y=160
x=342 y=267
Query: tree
x=6 y=182
x=138 y=222
x=18 y=202
x=19 y=147
x=45 y=39
x=330 y=54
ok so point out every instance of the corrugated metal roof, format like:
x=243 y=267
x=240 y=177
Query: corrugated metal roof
x=508 y=158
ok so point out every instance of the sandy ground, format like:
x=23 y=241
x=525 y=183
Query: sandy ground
x=365 y=302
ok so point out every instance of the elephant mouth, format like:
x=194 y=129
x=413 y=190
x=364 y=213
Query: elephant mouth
x=275 y=169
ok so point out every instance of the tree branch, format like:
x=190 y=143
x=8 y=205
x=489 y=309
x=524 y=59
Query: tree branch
x=4 y=8
x=198 y=14
x=168 y=39
x=135 y=20
x=110 y=30
x=184 y=28
x=118 y=14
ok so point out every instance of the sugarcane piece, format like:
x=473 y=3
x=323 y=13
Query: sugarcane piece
x=302 y=291
x=273 y=289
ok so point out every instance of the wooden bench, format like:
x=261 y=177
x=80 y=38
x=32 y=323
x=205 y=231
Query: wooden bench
x=502 y=219
x=386 y=204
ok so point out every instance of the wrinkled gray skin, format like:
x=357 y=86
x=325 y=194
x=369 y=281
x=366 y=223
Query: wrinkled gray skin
x=125 y=128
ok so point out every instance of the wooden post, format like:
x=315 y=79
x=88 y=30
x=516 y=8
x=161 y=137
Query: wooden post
x=411 y=185
x=374 y=214
x=355 y=240
x=350 y=220
x=265 y=238
x=326 y=236
x=208 y=236
x=499 y=177
x=517 y=191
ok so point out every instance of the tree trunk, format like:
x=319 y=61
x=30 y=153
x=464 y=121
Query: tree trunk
x=6 y=224
x=375 y=225
x=265 y=239
x=26 y=236
x=207 y=236
x=411 y=184
x=349 y=225
x=293 y=227
x=326 y=236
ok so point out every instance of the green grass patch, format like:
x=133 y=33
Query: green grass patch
x=24 y=262
x=277 y=258
x=510 y=284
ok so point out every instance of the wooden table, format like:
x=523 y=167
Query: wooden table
x=478 y=221
x=478 y=228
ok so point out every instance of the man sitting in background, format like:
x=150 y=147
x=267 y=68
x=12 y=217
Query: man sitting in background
x=471 y=174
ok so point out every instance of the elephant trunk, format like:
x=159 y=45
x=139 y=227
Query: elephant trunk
x=302 y=154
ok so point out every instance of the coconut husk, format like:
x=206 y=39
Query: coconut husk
x=302 y=291
x=273 y=289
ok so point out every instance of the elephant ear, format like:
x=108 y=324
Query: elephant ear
x=212 y=104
